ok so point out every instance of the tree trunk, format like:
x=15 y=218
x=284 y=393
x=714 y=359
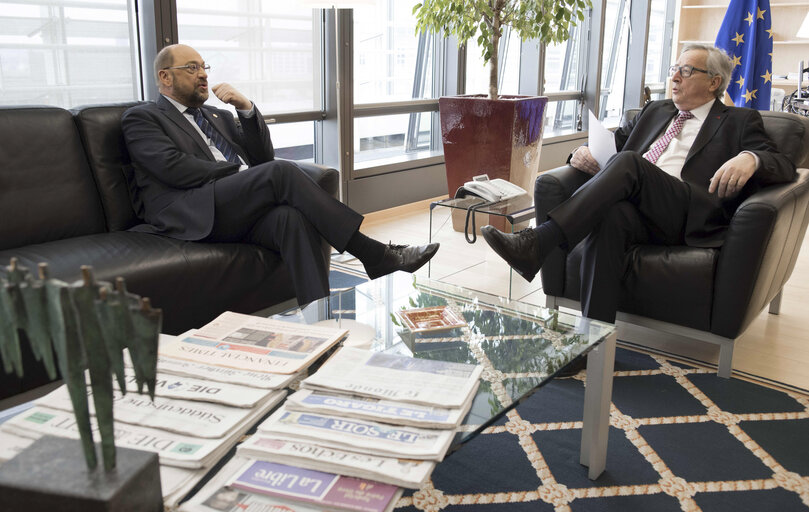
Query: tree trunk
x=493 y=62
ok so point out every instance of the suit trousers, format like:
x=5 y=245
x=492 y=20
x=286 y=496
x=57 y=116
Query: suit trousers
x=278 y=206
x=630 y=202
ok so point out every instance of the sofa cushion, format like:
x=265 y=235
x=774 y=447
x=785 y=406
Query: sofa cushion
x=100 y=130
x=191 y=282
x=47 y=191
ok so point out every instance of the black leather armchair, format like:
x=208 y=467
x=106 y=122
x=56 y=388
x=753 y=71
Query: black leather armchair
x=709 y=295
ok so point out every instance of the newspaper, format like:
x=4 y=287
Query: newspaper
x=255 y=344
x=307 y=454
x=216 y=497
x=199 y=419
x=326 y=490
x=173 y=449
x=11 y=445
x=360 y=435
x=186 y=387
x=376 y=409
x=396 y=377
x=209 y=372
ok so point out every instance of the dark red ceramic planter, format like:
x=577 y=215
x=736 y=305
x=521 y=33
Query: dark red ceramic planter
x=501 y=138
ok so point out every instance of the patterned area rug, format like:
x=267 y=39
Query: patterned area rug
x=680 y=439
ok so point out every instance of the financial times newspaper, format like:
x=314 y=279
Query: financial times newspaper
x=396 y=377
x=199 y=419
x=255 y=344
x=178 y=450
x=215 y=496
x=360 y=435
x=310 y=455
x=210 y=372
x=376 y=409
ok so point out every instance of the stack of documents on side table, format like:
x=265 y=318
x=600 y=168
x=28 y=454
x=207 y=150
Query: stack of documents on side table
x=383 y=420
x=202 y=407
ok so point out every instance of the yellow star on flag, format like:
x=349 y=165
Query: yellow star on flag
x=739 y=38
x=740 y=81
x=749 y=19
x=767 y=76
x=769 y=31
x=737 y=61
x=760 y=13
x=749 y=94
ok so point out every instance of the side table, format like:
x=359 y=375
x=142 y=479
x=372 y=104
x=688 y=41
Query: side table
x=512 y=211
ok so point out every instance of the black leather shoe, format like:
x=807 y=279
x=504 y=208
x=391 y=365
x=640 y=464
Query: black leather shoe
x=520 y=250
x=402 y=257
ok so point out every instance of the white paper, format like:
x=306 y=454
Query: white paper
x=601 y=141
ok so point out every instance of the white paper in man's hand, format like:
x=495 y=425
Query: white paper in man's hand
x=600 y=141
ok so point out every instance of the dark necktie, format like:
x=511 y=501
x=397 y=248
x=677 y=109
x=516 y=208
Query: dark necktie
x=663 y=142
x=218 y=140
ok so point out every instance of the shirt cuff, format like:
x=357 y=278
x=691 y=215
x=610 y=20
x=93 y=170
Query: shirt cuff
x=248 y=113
x=758 y=159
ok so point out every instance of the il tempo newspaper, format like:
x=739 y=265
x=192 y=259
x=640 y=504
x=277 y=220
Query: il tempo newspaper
x=396 y=377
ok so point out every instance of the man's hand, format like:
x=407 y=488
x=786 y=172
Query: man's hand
x=228 y=94
x=732 y=176
x=583 y=160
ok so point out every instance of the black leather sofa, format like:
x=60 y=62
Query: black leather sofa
x=710 y=295
x=65 y=201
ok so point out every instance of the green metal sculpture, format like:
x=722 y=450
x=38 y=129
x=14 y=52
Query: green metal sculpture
x=87 y=325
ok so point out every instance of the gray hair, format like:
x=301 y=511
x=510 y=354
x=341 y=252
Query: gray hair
x=718 y=64
x=163 y=60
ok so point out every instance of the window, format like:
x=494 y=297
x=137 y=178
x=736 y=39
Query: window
x=658 y=53
x=68 y=53
x=477 y=74
x=613 y=74
x=267 y=50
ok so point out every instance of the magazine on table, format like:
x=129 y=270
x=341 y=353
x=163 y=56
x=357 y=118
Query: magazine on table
x=254 y=343
x=216 y=497
x=199 y=419
x=377 y=409
x=310 y=455
x=360 y=435
x=209 y=372
x=396 y=377
x=325 y=490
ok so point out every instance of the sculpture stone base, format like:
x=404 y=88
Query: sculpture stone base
x=51 y=475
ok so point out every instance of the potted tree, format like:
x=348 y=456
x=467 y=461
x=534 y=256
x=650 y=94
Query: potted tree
x=495 y=135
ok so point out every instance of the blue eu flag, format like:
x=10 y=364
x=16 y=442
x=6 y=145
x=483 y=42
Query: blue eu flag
x=746 y=35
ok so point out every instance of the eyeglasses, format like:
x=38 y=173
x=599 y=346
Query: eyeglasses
x=192 y=68
x=686 y=71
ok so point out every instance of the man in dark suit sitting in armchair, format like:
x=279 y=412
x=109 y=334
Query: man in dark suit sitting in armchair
x=677 y=178
x=201 y=176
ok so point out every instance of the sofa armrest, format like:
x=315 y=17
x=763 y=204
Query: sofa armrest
x=327 y=177
x=759 y=253
x=554 y=187
x=551 y=189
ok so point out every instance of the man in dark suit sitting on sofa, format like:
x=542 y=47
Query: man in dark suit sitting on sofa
x=201 y=176
x=676 y=180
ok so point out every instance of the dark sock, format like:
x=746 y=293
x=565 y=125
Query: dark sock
x=366 y=249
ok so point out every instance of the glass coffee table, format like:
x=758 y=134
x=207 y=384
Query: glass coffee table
x=520 y=346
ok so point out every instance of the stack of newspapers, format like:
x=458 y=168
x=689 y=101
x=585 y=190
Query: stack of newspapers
x=364 y=425
x=213 y=384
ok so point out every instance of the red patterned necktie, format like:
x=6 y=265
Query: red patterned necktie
x=663 y=142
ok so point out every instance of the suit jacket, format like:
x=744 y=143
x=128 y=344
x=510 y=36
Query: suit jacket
x=174 y=170
x=726 y=132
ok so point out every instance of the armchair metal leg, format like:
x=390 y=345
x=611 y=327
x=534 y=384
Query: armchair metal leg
x=550 y=302
x=725 y=359
x=775 y=303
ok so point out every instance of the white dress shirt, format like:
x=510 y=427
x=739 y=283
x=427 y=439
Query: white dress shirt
x=673 y=157
x=214 y=150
